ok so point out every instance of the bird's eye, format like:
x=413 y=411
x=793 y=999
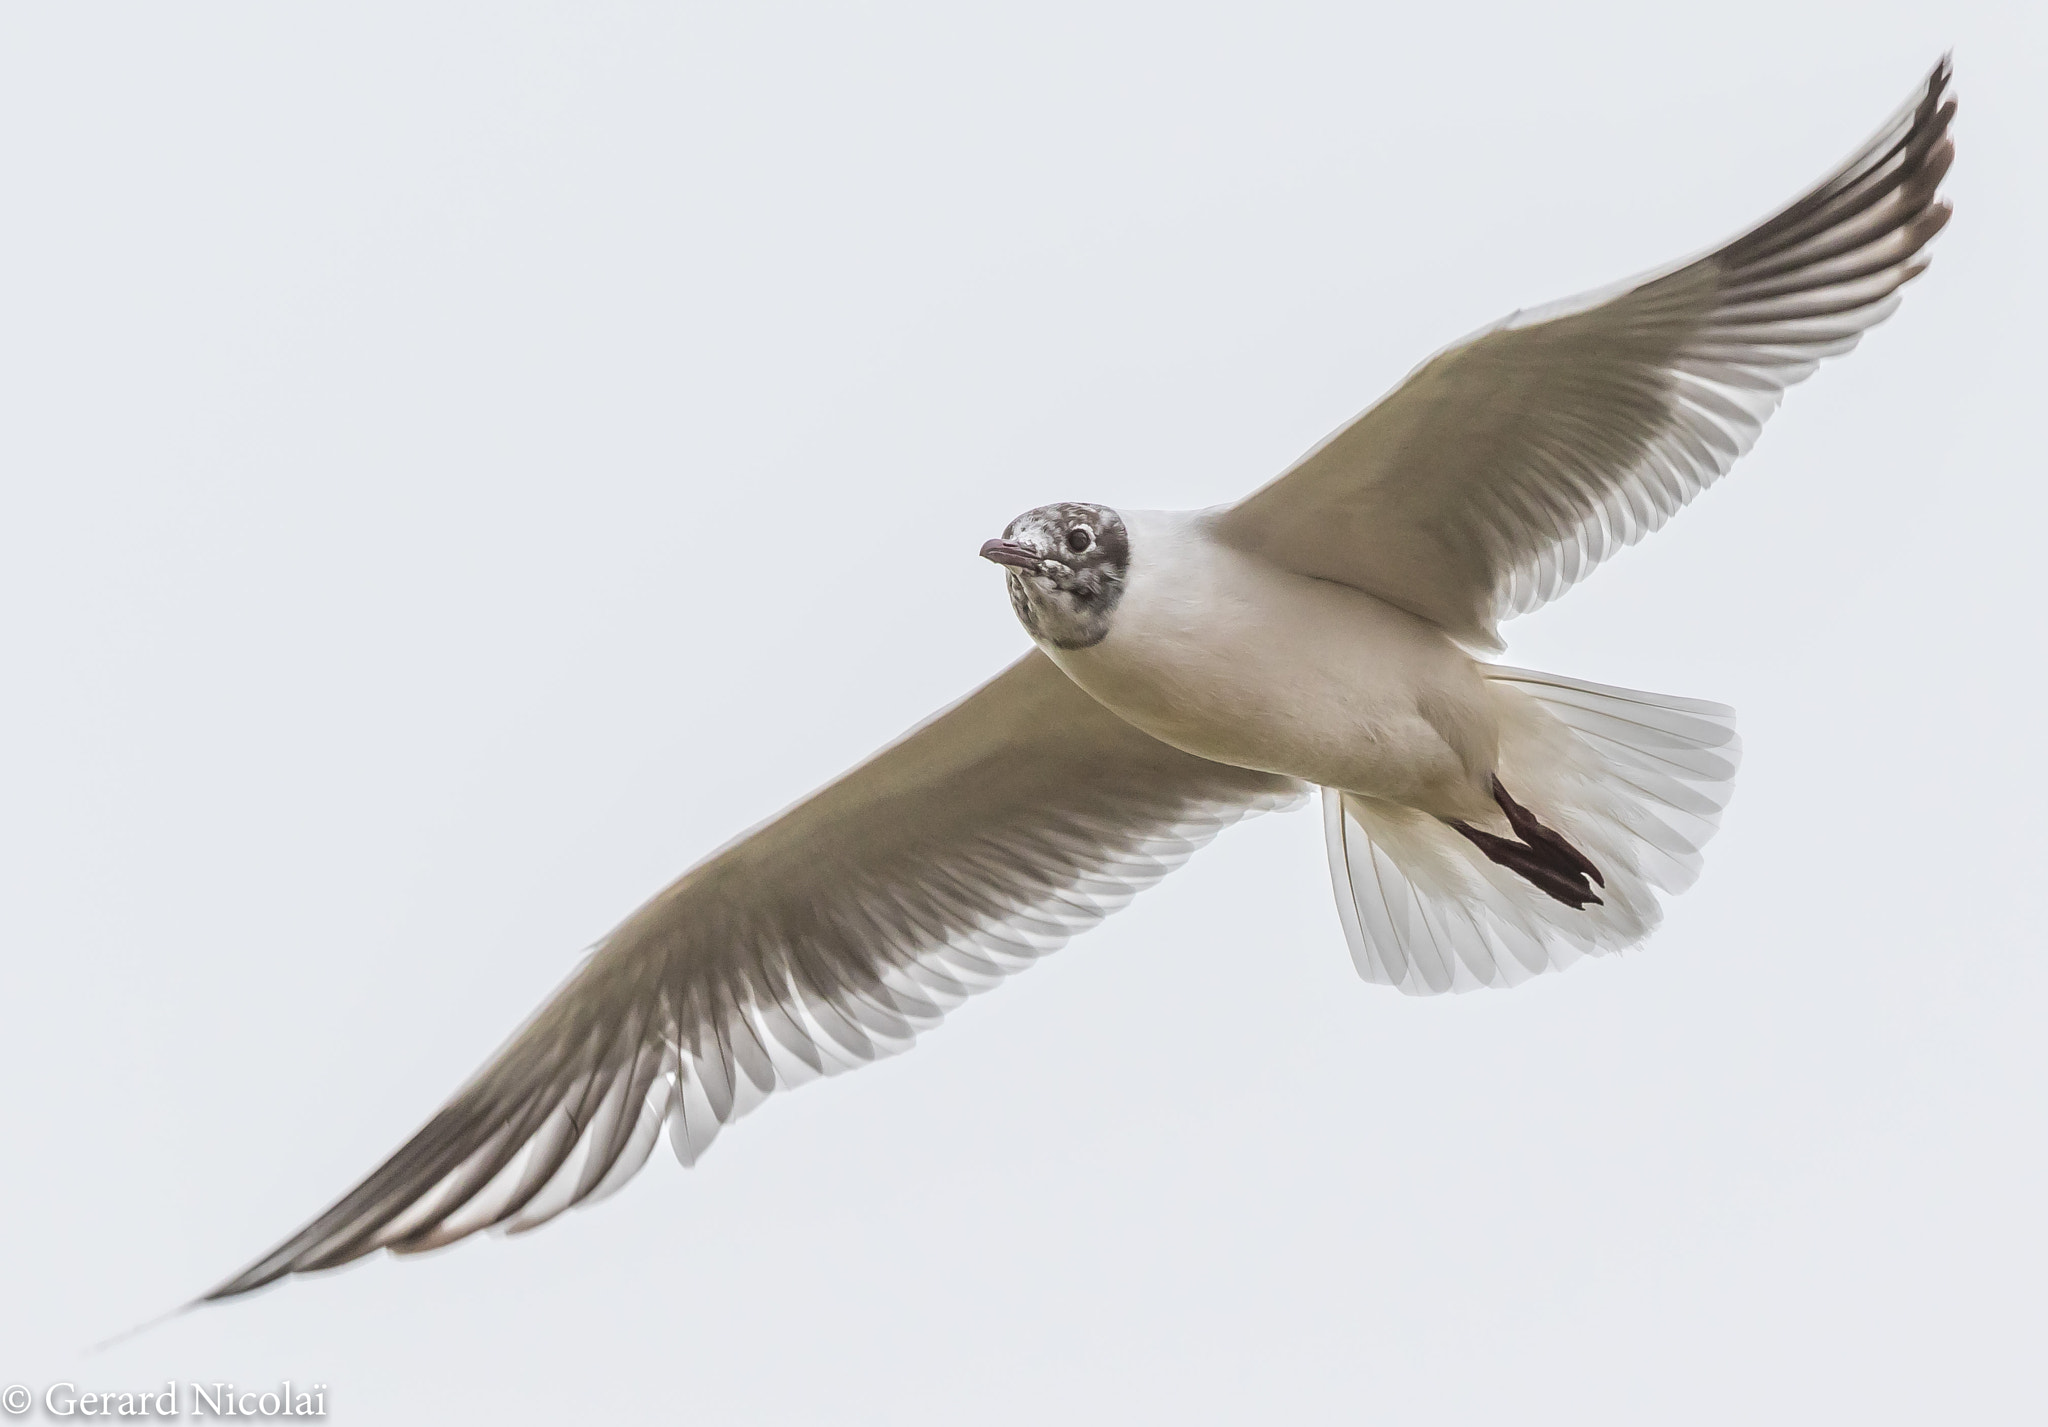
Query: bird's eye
x=1080 y=538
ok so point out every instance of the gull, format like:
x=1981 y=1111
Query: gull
x=1331 y=631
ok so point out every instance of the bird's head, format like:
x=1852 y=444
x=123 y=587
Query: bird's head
x=1067 y=563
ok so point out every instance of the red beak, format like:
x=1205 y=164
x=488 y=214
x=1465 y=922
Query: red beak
x=1009 y=552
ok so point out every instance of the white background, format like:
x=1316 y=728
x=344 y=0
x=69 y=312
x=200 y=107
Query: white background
x=461 y=464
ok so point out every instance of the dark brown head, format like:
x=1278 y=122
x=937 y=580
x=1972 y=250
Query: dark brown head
x=1067 y=564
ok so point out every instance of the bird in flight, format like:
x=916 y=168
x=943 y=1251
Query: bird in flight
x=1484 y=823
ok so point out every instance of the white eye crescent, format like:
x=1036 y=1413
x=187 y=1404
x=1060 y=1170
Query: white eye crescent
x=1080 y=538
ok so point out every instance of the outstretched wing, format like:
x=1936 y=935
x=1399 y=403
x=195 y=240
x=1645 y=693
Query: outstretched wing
x=827 y=937
x=1507 y=466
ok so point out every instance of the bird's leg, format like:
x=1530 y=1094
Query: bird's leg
x=1544 y=839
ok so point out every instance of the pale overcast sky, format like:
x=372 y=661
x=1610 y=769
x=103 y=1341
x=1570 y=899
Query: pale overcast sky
x=463 y=463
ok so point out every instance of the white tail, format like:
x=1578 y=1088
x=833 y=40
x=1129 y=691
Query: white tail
x=1635 y=781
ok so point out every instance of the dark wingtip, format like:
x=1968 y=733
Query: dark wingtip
x=141 y=1328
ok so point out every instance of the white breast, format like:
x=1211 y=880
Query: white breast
x=1231 y=658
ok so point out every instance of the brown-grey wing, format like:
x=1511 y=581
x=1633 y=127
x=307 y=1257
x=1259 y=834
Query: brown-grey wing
x=1503 y=469
x=823 y=939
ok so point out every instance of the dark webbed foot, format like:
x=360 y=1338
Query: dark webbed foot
x=1537 y=835
x=1543 y=858
x=1570 y=888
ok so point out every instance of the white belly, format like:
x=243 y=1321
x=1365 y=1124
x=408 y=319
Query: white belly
x=1229 y=658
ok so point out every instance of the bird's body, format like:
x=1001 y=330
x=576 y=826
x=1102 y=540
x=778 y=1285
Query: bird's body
x=1230 y=657
x=1484 y=824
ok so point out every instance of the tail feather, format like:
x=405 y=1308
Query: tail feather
x=1635 y=781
